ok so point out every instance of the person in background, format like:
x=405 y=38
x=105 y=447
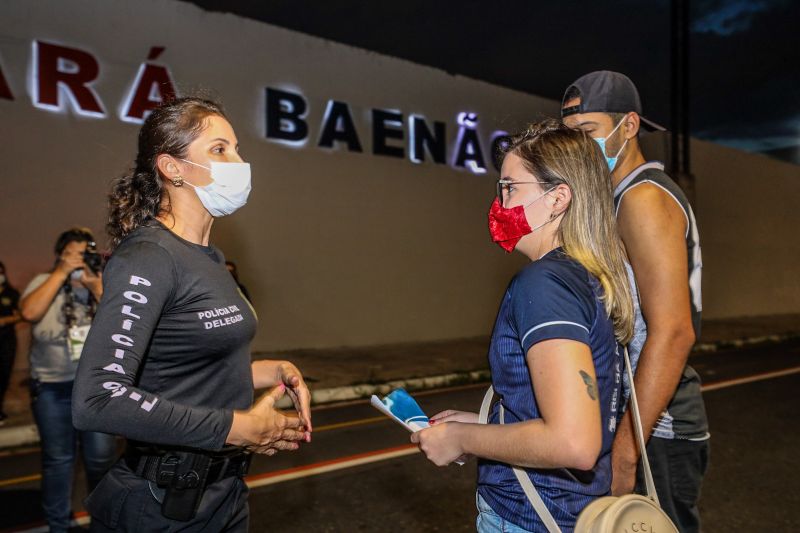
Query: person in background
x=554 y=356
x=231 y=266
x=9 y=316
x=661 y=238
x=61 y=304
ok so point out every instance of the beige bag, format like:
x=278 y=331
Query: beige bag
x=610 y=514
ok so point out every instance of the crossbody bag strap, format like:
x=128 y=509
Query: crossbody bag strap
x=522 y=476
x=637 y=427
x=634 y=403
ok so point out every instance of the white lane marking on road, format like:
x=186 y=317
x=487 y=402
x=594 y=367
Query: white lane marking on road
x=268 y=479
x=750 y=379
x=261 y=481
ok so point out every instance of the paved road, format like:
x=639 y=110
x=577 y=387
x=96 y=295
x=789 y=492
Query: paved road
x=359 y=474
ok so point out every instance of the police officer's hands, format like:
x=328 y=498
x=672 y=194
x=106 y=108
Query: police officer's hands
x=269 y=373
x=263 y=429
x=296 y=387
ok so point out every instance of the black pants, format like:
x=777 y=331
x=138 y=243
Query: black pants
x=124 y=501
x=8 y=348
x=678 y=468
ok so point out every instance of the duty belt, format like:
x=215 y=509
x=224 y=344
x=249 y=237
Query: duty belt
x=162 y=466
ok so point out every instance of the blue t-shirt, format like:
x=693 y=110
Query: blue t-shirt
x=552 y=298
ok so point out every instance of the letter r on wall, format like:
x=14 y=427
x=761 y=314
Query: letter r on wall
x=69 y=68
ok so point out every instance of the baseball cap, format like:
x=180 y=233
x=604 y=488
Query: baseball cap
x=605 y=91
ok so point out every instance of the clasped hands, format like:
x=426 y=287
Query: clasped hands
x=264 y=429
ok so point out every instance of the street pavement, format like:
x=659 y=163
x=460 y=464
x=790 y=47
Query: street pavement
x=360 y=474
x=341 y=374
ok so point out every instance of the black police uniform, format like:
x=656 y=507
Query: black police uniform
x=166 y=363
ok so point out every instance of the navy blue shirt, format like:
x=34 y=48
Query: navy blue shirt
x=552 y=298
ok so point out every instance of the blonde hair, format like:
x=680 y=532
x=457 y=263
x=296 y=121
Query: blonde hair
x=556 y=154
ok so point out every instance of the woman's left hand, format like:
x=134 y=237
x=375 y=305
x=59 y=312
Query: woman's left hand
x=440 y=443
x=296 y=387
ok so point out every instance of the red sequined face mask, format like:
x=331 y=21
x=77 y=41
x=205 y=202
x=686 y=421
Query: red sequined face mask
x=508 y=226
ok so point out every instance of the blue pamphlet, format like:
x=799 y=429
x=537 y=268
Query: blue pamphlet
x=401 y=407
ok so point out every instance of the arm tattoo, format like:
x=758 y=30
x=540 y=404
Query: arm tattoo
x=591 y=388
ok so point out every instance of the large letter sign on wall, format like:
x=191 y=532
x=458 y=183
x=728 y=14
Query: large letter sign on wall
x=498 y=144
x=387 y=125
x=468 y=146
x=153 y=85
x=61 y=70
x=63 y=77
x=337 y=125
x=422 y=138
x=5 y=90
x=285 y=112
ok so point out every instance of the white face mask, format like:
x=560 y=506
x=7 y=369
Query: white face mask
x=228 y=190
x=75 y=275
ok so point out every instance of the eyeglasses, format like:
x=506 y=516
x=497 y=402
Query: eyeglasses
x=504 y=187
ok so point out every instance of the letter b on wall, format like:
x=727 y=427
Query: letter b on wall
x=284 y=116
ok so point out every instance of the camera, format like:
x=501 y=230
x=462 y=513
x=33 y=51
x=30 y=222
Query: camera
x=92 y=258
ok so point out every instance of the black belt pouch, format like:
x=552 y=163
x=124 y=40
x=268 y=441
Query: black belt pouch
x=184 y=475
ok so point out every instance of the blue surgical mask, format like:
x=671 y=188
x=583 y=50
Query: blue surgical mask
x=612 y=161
x=228 y=190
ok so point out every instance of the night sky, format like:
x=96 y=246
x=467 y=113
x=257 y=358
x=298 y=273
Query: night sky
x=744 y=54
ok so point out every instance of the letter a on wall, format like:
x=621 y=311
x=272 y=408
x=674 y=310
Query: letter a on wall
x=152 y=86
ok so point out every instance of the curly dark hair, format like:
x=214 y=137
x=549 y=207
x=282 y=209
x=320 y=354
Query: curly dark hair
x=137 y=196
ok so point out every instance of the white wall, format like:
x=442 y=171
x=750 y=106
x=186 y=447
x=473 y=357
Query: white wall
x=336 y=248
x=749 y=220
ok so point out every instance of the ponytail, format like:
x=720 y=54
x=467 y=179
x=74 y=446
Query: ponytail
x=135 y=198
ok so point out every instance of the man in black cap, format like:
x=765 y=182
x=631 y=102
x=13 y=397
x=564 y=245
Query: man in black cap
x=658 y=229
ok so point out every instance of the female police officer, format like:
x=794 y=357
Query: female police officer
x=167 y=362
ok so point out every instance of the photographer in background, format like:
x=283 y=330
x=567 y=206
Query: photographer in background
x=60 y=304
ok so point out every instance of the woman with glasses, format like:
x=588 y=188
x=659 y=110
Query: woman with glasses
x=167 y=364
x=554 y=355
